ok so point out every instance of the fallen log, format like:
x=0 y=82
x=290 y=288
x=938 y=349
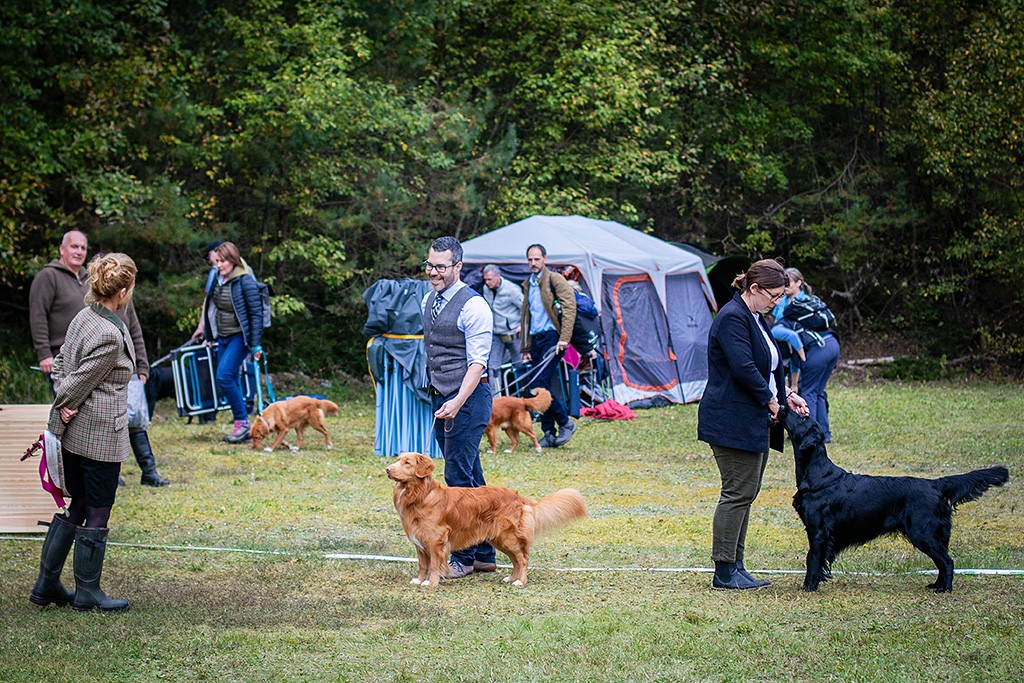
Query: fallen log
x=860 y=362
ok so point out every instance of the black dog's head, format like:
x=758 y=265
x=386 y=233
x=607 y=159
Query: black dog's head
x=806 y=435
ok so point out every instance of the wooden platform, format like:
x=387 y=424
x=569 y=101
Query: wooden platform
x=22 y=500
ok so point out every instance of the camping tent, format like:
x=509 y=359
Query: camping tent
x=655 y=299
x=721 y=270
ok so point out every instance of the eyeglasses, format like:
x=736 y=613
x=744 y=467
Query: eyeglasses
x=774 y=298
x=439 y=268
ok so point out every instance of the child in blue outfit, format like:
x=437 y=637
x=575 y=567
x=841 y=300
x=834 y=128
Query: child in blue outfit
x=783 y=333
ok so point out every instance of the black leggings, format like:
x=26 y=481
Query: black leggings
x=81 y=514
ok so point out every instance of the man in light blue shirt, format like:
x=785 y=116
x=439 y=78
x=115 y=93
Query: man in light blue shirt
x=550 y=301
x=457 y=328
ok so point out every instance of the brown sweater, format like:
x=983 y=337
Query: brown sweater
x=55 y=298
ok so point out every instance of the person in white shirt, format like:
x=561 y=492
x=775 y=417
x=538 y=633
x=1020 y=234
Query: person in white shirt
x=457 y=326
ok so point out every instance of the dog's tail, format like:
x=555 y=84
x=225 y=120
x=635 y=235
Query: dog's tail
x=557 y=509
x=329 y=407
x=540 y=402
x=963 y=488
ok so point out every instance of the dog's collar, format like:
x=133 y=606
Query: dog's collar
x=260 y=417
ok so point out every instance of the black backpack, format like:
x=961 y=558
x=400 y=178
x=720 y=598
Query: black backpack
x=811 y=313
x=586 y=330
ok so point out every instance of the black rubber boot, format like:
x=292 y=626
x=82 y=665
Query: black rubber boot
x=759 y=583
x=727 y=577
x=90 y=549
x=144 y=456
x=48 y=588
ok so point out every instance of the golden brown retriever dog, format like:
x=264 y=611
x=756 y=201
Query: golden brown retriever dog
x=296 y=413
x=439 y=518
x=512 y=414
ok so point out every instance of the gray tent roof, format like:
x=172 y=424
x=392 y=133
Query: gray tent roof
x=594 y=246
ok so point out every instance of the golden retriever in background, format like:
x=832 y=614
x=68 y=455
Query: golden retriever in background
x=439 y=518
x=512 y=414
x=296 y=413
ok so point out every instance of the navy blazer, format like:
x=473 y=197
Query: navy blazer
x=734 y=409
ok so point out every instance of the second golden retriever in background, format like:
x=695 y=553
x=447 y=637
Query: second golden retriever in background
x=295 y=413
x=512 y=414
x=439 y=518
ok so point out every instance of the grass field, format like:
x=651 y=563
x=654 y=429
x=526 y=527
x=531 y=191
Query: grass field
x=204 y=610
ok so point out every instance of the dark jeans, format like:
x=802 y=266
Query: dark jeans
x=539 y=345
x=231 y=353
x=742 y=473
x=821 y=361
x=459 y=440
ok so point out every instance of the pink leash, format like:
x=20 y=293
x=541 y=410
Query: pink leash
x=44 y=474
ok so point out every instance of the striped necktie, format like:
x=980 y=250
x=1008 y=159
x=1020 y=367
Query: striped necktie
x=436 y=308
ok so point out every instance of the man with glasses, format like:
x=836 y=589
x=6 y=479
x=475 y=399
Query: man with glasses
x=549 y=313
x=457 y=333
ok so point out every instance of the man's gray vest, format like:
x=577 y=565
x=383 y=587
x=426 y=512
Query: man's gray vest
x=446 y=343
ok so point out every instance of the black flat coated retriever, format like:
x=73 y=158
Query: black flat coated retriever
x=840 y=509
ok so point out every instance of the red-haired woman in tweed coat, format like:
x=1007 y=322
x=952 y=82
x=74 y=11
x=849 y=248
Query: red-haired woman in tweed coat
x=90 y=416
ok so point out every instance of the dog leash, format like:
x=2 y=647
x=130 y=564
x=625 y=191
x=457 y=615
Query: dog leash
x=448 y=426
x=549 y=355
x=259 y=387
x=529 y=376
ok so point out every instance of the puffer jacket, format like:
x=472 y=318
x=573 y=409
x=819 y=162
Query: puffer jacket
x=248 y=307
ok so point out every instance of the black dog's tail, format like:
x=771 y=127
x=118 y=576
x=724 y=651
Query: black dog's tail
x=963 y=488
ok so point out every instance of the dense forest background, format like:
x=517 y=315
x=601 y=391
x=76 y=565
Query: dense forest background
x=875 y=144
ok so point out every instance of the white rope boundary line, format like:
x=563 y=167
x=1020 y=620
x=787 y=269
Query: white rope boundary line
x=413 y=560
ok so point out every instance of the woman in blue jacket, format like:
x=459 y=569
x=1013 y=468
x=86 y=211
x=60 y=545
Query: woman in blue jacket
x=737 y=413
x=233 y=317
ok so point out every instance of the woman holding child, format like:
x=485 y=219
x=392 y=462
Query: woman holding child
x=815 y=353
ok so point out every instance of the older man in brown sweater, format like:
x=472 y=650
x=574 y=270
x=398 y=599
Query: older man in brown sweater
x=55 y=298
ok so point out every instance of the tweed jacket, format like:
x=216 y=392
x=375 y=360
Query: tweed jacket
x=91 y=373
x=553 y=289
